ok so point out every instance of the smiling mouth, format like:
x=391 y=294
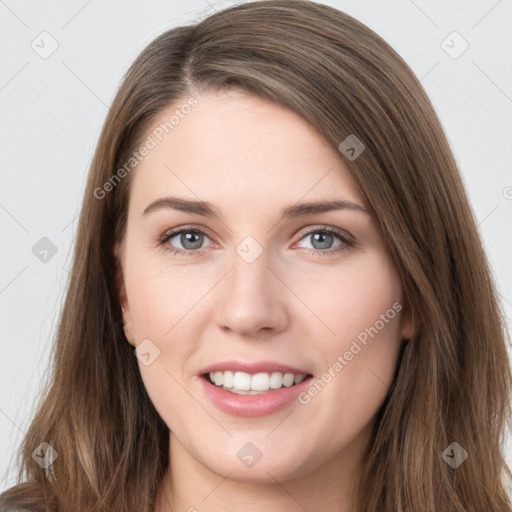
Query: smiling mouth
x=242 y=383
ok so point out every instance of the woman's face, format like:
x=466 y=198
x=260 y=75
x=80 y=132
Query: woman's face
x=258 y=284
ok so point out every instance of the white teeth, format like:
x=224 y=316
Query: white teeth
x=298 y=379
x=276 y=380
x=245 y=383
x=219 y=378
x=228 y=379
x=288 y=379
x=259 y=382
x=242 y=381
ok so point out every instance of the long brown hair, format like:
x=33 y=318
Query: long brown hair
x=453 y=381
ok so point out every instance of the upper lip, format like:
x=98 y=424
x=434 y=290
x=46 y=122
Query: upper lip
x=256 y=367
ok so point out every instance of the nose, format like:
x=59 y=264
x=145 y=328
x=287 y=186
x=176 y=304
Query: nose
x=252 y=300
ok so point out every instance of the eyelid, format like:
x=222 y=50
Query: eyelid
x=346 y=238
x=169 y=233
x=329 y=229
x=300 y=234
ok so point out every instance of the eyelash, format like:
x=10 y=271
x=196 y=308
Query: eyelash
x=346 y=242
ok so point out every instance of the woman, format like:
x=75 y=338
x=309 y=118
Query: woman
x=278 y=297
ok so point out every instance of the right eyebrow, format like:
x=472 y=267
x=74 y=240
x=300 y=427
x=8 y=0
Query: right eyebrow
x=185 y=205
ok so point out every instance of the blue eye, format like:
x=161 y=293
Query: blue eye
x=191 y=240
x=323 y=241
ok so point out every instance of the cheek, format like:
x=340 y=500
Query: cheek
x=358 y=314
x=350 y=299
x=164 y=302
x=161 y=307
x=162 y=298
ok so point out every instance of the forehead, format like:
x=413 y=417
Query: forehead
x=238 y=147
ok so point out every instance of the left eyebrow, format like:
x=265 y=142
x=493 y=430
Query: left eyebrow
x=206 y=209
x=301 y=209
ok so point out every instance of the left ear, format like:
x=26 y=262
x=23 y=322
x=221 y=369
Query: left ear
x=122 y=297
x=409 y=324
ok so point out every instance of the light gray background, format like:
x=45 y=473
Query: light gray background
x=52 y=110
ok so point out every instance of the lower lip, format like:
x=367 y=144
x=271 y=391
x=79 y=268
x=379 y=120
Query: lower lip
x=252 y=405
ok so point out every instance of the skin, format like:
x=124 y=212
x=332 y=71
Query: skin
x=250 y=159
